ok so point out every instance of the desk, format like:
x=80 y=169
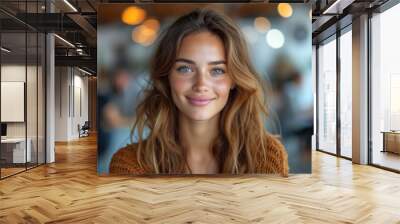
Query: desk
x=391 y=141
x=16 y=147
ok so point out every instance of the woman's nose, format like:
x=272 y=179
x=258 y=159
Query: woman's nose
x=201 y=81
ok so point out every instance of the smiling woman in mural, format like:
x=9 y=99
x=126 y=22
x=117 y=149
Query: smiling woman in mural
x=204 y=112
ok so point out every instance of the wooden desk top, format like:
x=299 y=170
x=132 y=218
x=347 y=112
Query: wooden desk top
x=391 y=132
x=13 y=140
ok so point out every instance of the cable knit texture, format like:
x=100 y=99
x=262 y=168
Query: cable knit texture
x=124 y=162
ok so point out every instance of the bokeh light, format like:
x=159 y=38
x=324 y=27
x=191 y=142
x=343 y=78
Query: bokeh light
x=285 y=10
x=146 y=33
x=275 y=38
x=133 y=15
x=152 y=24
x=262 y=24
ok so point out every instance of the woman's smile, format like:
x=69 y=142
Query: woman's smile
x=199 y=101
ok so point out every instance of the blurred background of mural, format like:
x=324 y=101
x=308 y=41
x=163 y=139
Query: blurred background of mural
x=279 y=40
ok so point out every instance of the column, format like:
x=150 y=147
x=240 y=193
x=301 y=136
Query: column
x=360 y=90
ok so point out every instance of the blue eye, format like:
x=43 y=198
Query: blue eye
x=184 y=69
x=217 y=71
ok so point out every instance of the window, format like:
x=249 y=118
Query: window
x=385 y=89
x=346 y=94
x=327 y=97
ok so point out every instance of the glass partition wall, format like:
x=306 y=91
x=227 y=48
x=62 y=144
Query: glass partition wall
x=22 y=88
x=13 y=110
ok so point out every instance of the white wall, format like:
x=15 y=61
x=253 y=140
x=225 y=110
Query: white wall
x=80 y=111
x=71 y=93
x=33 y=127
x=12 y=73
x=61 y=103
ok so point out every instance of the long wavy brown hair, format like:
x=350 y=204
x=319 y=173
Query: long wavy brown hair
x=241 y=146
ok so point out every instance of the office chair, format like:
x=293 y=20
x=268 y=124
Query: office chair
x=84 y=130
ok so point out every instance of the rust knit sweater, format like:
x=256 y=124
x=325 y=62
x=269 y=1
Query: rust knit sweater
x=125 y=162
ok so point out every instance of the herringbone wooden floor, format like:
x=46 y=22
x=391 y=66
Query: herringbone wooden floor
x=70 y=191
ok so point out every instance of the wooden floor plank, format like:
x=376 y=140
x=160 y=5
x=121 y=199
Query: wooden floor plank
x=70 y=191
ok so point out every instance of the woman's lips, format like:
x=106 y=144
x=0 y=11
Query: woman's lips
x=199 y=101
